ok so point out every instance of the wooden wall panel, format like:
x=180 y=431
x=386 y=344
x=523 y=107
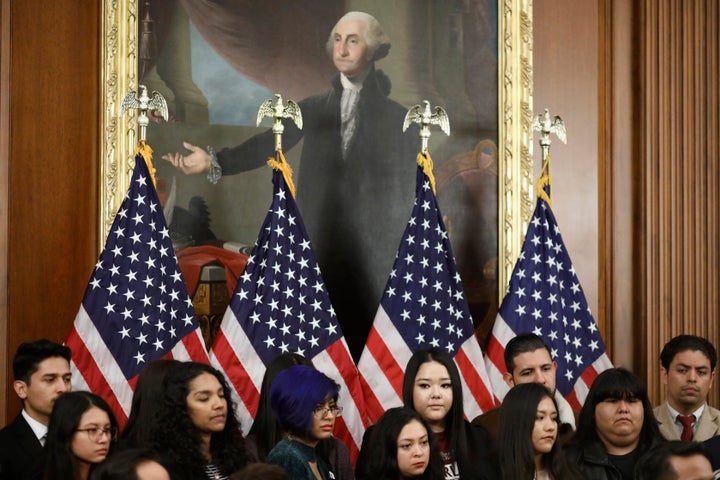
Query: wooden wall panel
x=565 y=73
x=52 y=159
x=4 y=222
x=680 y=226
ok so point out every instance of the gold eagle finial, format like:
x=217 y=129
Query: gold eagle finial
x=277 y=111
x=425 y=116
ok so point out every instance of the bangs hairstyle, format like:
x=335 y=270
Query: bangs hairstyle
x=616 y=384
x=295 y=393
x=455 y=418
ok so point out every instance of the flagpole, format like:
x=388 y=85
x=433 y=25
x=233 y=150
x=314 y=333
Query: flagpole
x=543 y=124
x=424 y=115
x=143 y=103
x=277 y=111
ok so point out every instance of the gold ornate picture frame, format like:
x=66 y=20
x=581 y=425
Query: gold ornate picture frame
x=515 y=167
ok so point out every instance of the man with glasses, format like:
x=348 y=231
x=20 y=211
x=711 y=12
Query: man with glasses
x=41 y=371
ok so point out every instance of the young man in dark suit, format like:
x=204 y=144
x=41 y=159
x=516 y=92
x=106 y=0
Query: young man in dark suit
x=41 y=371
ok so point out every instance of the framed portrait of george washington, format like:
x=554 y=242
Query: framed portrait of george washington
x=215 y=62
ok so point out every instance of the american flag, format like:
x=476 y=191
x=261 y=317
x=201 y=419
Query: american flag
x=545 y=298
x=281 y=305
x=423 y=305
x=136 y=307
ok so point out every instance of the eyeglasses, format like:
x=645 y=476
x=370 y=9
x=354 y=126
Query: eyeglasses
x=321 y=411
x=95 y=434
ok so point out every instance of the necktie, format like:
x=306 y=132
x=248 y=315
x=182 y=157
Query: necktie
x=687 y=431
x=43 y=439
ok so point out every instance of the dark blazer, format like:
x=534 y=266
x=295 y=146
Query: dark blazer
x=21 y=455
x=713 y=448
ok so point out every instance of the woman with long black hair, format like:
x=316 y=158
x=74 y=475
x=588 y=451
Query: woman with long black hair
x=527 y=440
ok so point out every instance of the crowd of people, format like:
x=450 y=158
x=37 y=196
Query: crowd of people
x=183 y=424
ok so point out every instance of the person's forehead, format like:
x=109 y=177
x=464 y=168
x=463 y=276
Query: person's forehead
x=694 y=358
x=53 y=365
x=532 y=359
x=351 y=26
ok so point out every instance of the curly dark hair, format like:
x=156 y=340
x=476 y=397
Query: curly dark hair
x=176 y=435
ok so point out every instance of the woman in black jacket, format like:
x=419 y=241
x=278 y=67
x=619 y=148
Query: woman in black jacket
x=616 y=427
x=432 y=387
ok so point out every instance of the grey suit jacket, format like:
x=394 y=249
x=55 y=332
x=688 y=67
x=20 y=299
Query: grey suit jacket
x=708 y=425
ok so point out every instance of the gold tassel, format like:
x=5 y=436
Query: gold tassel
x=279 y=163
x=426 y=163
x=144 y=149
x=545 y=179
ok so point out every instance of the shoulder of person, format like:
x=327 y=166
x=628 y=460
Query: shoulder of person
x=477 y=434
x=491 y=417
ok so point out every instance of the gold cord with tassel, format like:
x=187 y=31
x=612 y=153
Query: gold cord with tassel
x=279 y=163
x=144 y=149
x=545 y=179
x=426 y=163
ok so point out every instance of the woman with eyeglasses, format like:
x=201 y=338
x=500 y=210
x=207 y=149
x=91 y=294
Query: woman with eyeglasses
x=81 y=432
x=266 y=431
x=304 y=401
x=197 y=430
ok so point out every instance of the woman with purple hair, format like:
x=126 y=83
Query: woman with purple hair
x=304 y=401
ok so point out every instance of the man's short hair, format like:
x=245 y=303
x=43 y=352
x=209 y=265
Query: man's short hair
x=523 y=343
x=377 y=40
x=656 y=465
x=29 y=355
x=683 y=343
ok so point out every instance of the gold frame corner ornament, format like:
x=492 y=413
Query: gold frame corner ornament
x=515 y=80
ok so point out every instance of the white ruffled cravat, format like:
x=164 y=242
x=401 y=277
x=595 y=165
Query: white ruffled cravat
x=348 y=109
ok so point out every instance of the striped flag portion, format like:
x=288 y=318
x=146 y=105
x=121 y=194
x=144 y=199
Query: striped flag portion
x=545 y=298
x=136 y=307
x=423 y=306
x=281 y=305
